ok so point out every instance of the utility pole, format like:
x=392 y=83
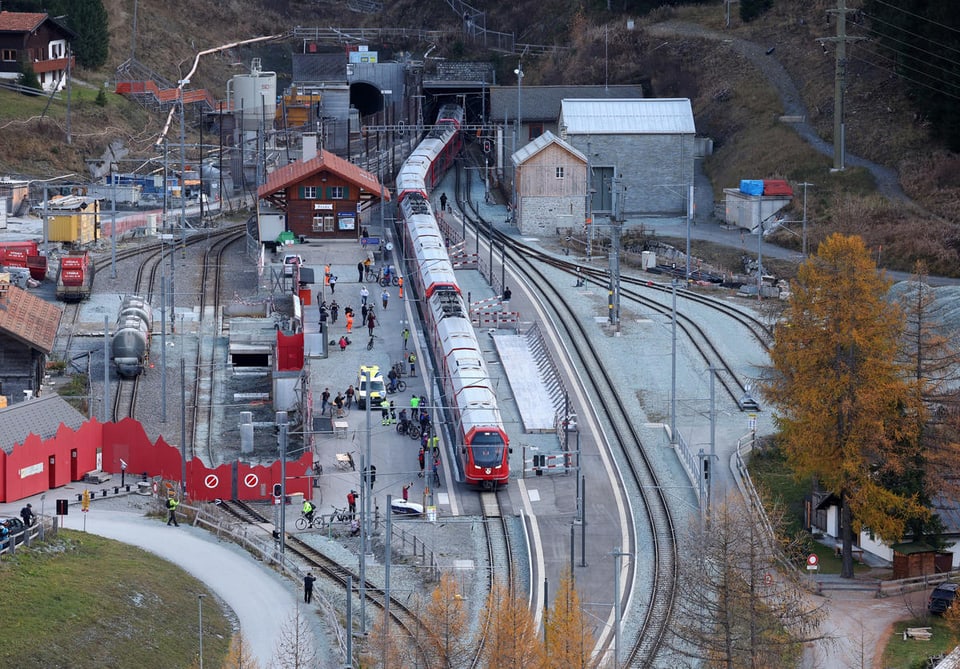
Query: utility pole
x=804 y=229
x=840 y=76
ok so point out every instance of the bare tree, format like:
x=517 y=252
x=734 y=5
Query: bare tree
x=294 y=648
x=739 y=603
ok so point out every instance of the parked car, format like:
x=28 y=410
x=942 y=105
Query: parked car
x=942 y=597
x=377 y=390
x=290 y=261
x=14 y=528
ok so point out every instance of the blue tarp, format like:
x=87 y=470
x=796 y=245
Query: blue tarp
x=751 y=186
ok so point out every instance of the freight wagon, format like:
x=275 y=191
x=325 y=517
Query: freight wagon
x=75 y=277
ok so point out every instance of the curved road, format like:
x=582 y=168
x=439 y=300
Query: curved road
x=888 y=181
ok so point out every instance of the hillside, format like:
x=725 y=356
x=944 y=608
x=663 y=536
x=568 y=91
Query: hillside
x=684 y=52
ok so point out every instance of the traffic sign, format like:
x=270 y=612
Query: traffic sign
x=85 y=501
x=813 y=562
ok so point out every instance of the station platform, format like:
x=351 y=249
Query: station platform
x=538 y=397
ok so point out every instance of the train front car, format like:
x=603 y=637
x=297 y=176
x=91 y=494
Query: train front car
x=484 y=448
x=483 y=445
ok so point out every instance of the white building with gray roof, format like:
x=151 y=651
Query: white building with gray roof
x=647 y=145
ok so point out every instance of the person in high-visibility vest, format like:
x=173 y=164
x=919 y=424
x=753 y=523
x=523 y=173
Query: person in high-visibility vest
x=172 y=505
x=308 y=509
x=385 y=411
x=400 y=285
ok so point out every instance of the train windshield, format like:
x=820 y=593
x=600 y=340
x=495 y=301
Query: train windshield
x=487 y=449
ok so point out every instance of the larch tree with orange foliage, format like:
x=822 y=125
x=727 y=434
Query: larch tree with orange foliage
x=240 y=655
x=846 y=409
x=446 y=620
x=510 y=637
x=569 y=638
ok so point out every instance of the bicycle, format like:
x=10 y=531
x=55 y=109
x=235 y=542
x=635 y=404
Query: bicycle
x=391 y=280
x=304 y=523
x=341 y=412
x=371 y=275
x=413 y=430
x=397 y=386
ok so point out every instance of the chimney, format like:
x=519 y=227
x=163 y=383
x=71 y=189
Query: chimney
x=309 y=146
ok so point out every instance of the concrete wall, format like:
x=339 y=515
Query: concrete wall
x=657 y=169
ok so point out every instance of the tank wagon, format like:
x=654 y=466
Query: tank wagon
x=75 y=276
x=130 y=347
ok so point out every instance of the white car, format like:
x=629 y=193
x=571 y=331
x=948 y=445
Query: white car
x=290 y=261
x=402 y=508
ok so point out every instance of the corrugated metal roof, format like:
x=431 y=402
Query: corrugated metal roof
x=649 y=116
x=534 y=147
x=29 y=319
x=42 y=416
x=300 y=170
x=542 y=103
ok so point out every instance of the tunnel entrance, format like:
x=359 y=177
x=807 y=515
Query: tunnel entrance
x=366 y=98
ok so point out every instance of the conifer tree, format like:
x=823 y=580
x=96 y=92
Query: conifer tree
x=845 y=409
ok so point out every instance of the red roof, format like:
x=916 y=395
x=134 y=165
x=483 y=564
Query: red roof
x=298 y=171
x=20 y=22
x=30 y=319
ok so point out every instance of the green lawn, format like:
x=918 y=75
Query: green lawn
x=84 y=601
x=913 y=654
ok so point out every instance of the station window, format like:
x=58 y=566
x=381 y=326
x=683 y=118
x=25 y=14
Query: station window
x=559 y=172
x=337 y=192
x=322 y=223
x=308 y=193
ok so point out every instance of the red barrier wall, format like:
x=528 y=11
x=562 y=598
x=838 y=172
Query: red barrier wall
x=36 y=466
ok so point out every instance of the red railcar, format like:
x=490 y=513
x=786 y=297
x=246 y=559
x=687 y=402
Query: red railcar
x=24 y=254
x=75 y=277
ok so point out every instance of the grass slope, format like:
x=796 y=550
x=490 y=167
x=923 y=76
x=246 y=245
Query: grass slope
x=85 y=601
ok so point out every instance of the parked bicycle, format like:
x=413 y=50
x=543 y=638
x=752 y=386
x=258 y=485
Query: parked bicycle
x=409 y=428
x=371 y=275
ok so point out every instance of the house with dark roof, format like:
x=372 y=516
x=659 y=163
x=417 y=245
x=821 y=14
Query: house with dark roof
x=28 y=329
x=36 y=40
x=322 y=196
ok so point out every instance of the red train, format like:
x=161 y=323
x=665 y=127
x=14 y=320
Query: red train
x=75 y=276
x=483 y=445
x=24 y=254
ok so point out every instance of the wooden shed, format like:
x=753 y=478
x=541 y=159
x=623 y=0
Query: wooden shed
x=913 y=559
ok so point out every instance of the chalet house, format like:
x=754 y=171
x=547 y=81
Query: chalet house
x=37 y=40
x=322 y=196
x=551 y=185
x=28 y=329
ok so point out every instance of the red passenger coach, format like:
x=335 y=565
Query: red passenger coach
x=482 y=446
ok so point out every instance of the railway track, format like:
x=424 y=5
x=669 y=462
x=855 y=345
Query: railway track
x=622 y=437
x=338 y=575
x=638 y=290
x=204 y=379
x=499 y=557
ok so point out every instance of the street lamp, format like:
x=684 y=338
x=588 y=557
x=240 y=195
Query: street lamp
x=519 y=73
x=200 y=626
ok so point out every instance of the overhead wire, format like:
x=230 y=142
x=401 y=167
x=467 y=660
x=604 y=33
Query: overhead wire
x=916 y=16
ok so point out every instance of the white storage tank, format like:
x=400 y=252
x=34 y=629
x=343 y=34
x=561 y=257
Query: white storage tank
x=253 y=97
x=648 y=260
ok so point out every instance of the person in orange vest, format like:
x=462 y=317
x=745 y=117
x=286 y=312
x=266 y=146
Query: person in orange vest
x=349 y=314
x=400 y=284
x=326 y=274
